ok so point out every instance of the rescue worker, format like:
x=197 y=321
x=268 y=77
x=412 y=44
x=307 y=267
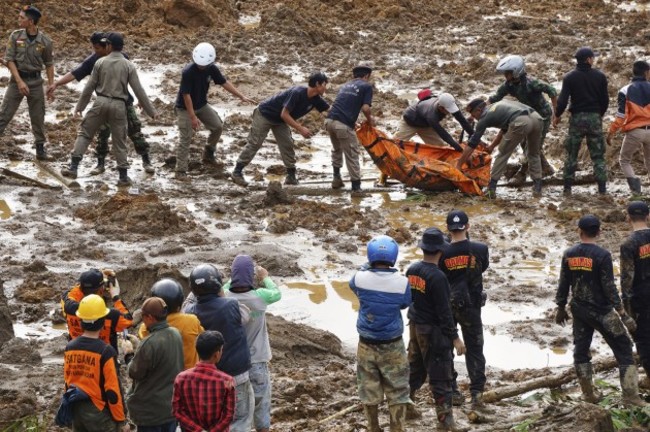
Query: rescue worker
x=188 y=325
x=517 y=123
x=354 y=97
x=635 y=278
x=586 y=87
x=277 y=114
x=529 y=91
x=90 y=365
x=109 y=80
x=382 y=365
x=28 y=51
x=242 y=287
x=433 y=333
x=588 y=273
x=192 y=106
x=204 y=396
x=464 y=263
x=155 y=365
x=222 y=314
x=134 y=127
x=94 y=281
x=633 y=119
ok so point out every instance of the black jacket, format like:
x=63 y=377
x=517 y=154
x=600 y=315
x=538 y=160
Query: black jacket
x=587 y=89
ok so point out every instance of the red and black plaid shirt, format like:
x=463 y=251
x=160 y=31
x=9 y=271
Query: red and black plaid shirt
x=204 y=399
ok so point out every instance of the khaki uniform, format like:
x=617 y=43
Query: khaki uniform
x=344 y=142
x=110 y=80
x=30 y=56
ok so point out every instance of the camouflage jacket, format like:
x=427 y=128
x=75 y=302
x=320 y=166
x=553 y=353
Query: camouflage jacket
x=528 y=91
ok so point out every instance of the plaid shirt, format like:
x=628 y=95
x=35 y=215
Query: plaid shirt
x=204 y=399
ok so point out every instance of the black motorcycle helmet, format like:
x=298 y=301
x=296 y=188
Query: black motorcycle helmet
x=205 y=279
x=170 y=291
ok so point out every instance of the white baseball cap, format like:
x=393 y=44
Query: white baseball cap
x=447 y=101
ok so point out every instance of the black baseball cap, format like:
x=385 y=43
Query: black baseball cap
x=32 y=12
x=584 y=53
x=91 y=280
x=433 y=240
x=474 y=103
x=362 y=70
x=638 y=208
x=589 y=223
x=457 y=220
x=115 y=39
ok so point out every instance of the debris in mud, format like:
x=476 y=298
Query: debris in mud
x=276 y=195
x=6 y=326
x=140 y=214
x=19 y=351
x=38 y=287
x=15 y=404
x=571 y=418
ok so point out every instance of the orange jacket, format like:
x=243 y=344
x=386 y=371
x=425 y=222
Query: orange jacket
x=190 y=328
x=633 y=106
x=119 y=318
x=91 y=365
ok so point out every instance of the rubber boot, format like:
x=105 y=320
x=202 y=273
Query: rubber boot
x=478 y=405
x=41 y=153
x=412 y=411
x=100 y=168
x=602 y=187
x=237 y=175
x=337 y=181
x=547 y=168
x=398 y=417
x=630 y=386
x=584 y=372
x=491 y=191
x=537 y=188
x=146 y=164
x=381 y=181
x=567 y=187
x=635 y=185
x=356 y=191
x=372 y=417
x=457 y=398
x=208 y=156
x=71 y=170
x=124 y=179
x=291 y=178
x=446 y=421
x=520 y=177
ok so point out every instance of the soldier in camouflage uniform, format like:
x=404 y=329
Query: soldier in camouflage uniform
x=587 y=272
x=587 y=89
x=635 y=278
x=382 y=366
x=28 y=50
x=433 y=333
x=528 y=91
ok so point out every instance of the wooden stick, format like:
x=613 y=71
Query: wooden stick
x=71 y=184
x=38 y=183
x=343 y=412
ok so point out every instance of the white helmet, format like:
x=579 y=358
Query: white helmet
x=204 y=54
x=513 y=63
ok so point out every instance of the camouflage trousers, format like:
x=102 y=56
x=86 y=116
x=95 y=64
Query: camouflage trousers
x=383 y=370
x=609 y=325
x=134 y=132
x=589 y=125
x=429 y=358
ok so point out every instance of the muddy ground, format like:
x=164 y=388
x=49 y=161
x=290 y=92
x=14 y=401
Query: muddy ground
x=163 y=228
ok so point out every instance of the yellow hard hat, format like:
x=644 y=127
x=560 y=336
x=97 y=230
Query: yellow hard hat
x=91 y=308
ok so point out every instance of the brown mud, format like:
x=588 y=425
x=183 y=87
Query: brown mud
x=162 y=228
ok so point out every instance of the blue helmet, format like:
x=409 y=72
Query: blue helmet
x=383 y=249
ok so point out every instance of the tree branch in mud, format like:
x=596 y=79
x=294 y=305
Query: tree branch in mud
x=552 y=381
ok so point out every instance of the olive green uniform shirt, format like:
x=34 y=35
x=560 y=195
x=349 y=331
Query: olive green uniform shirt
x=29 y=55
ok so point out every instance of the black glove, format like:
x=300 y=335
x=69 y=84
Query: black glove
x=561 y=315
x=629 y=322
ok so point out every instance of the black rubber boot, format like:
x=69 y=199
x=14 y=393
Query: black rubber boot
x=537 y=188
x=146 y=164
x=491 y=192
x=208 y=156
x=41 y=154
x=124 y=180
x=602 y=187
x=100 y=168
x=337 y=181
x=71 y=170
x=291 y=178
x=584 y=371
x=567 y=187
x=237 y=175
x=635 y=185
